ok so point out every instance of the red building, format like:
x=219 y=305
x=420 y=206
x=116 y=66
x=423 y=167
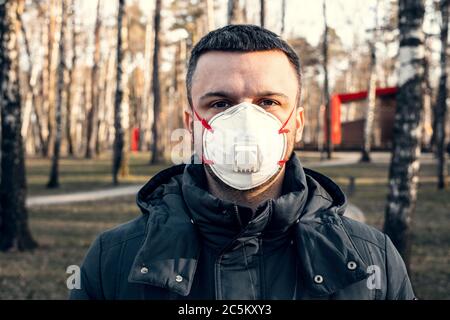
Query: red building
x=348 y=114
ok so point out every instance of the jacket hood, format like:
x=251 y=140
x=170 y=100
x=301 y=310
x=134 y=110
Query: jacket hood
x=297 y=179
x=178 y=207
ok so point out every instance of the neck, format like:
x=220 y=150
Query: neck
x=250 y=198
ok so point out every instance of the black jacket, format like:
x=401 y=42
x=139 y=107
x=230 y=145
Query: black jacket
x=188 y=244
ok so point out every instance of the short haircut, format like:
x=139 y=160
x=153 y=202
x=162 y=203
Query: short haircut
x=241 y=38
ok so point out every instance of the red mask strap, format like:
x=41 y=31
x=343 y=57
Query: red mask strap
x=205 y=123
x=206 y=161
x=282 y=162
x=282 y=129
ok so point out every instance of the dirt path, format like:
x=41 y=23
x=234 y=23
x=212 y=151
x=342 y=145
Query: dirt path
x=92 y=195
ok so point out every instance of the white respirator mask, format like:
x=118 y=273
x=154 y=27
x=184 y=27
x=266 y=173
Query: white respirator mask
x=244 y=145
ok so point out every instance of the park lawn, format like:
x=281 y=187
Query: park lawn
x=79 y=174
x=65 y=232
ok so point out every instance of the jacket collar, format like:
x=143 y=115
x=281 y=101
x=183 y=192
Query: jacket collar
x=220 y=221
x=169 y=254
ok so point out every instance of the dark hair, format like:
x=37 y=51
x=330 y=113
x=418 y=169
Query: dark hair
x=240 y=38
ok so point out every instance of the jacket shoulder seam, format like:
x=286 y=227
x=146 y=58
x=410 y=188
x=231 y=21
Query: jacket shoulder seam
x=405 y=278
x=367 y=240
x=100 y=245
x=119 y=242
x=323 y=197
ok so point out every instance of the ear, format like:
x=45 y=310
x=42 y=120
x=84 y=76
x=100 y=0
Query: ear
x=299 y=123
x=187 y=119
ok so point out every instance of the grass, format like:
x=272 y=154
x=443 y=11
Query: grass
x=79 y=174
x=65 y=232
x=85 y=174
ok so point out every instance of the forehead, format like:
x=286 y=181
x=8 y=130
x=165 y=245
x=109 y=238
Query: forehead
x=244 y=73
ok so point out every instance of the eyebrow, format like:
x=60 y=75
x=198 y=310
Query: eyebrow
x=222 y=94
x=225 y=94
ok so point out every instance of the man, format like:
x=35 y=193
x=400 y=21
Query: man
x=245 y=220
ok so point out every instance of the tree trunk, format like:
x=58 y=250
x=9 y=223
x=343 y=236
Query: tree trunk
x=118 y=135
x=283 y=18
x=54 y=173
x=371 y=94
x=262 y=12
x=233 y=12
x=102 y=107
x=31 y=81
x=157 y=152
x=179 y=80
x=14 y=230
x=108 y=89
x=441 y=106
x=370 y=111
x=404 y=168
x=92 y=116
x=81 y=113
x=146 y=118
x=209 y=10
x=126 y=103
x=427 y=127
x=47 y=70
x=71 y=76
x=329 y=144
x=50 y=70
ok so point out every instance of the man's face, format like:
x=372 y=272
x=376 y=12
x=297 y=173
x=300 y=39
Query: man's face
x=264 y=78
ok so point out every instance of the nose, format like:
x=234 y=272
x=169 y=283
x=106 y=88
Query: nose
x=247 y=99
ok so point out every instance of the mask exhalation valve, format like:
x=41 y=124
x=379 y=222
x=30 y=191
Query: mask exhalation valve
x=246 y=155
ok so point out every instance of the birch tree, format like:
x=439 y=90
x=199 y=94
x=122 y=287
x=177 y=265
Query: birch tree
x=14 y=230
x=371 y=94
x=71 y=79
x=370 y=110
x=54 y=171
x=283 y=18
x=50 y=66
x=146 y=116
x=32 y=92
x=404 y=167
x=234 y=12
x=427 y=127
x=92 y=116
x=441 y=105
x=157 y=152
x=329 y=145
x=118 y=129
x=209 y=12
x=262 y=12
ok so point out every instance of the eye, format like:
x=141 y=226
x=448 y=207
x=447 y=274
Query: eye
x=268 y=103
x=220 y=104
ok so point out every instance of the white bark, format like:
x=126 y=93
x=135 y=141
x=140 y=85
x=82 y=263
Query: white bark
x=408 y=58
